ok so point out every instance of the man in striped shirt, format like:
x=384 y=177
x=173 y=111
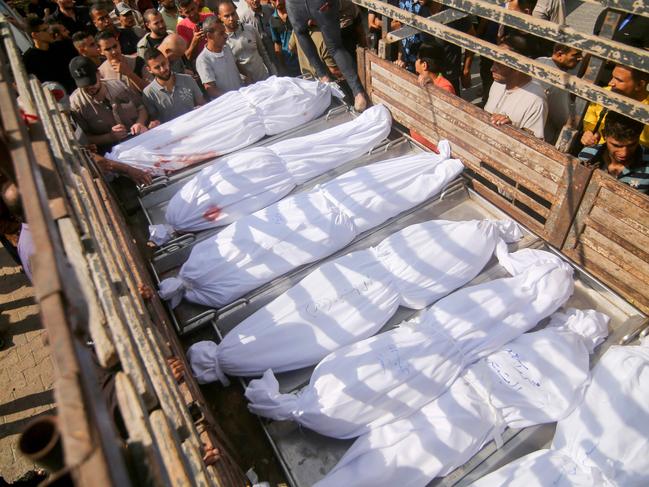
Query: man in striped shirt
x=621 y=154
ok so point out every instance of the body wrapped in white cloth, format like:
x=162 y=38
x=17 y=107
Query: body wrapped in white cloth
x=230 y=122
x=244 y=182
x=537 y=378
x=307 y=226
x=392 y=375
x=350 y=298
x=603 y=442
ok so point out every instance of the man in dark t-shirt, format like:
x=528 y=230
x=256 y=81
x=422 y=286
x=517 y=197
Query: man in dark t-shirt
x=47 y=60
x=72 y=17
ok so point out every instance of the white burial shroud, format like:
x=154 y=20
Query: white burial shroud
x=537 y=378
x=604 y=441
x=242 y=183
x=350 y=298
x=306 y=227
x=228 y=123
x=392 y=375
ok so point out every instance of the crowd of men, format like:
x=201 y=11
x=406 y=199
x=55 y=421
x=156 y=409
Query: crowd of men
x=131 y=65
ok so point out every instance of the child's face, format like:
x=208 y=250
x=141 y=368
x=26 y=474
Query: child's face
x=420 y=66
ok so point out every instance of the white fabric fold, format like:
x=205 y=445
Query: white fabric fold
x=242 y=183
x=308 y=226
x=160 y=233
x=226 y=124
x=350 y=298
x=603 y=442
x=537 y=378
x=392 y=375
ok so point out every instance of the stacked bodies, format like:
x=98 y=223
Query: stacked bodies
x=350 y=298
x=231 y=122
x=604 y=441
x=306 y=227
x=537 y=378
x=242 y=183
x=384 y=378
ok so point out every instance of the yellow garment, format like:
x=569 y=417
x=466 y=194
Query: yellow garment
x=592 y=115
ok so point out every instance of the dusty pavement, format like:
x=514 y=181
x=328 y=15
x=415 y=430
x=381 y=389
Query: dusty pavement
x=26 y=374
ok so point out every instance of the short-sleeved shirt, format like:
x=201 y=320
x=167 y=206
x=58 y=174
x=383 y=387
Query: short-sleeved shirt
x=246 y=47
x=526 y=106
x=127 y=40
x=51 y=65
x=636 y=176
x=171 y=20
x=148 y=42
x=165 y=106
x=98 y=118
x=136 y=64
x=185 y=29
x=219 y=68
x=552 y=10
x=595 y=111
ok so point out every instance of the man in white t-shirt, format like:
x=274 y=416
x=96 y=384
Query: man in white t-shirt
x=215 y=64
x=515 y=98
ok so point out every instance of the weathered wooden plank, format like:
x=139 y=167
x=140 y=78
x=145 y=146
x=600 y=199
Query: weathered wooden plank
x=630 y=240
x=434 y=102
x=610 y=273
x=551 y=75
x=588 y=43
x=636 y=268
x=443 y=17
x=196 y=464
x=568 y=198
x=457 y=135
x=635 y=221
x=104 y=347
x=170 y=450
x=518 y=214
x=147 y=459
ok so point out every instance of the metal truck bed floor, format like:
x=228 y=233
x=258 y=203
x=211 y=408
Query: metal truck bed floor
x=308 y=456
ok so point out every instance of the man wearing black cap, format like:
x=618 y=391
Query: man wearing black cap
x=107 y=111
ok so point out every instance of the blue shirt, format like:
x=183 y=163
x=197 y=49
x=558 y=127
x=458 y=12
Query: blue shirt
x=281 y=33
x=636 y=175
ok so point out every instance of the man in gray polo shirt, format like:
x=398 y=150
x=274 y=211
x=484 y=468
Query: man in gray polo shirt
x=170 y=94
x=246 y=45
x=215 y=64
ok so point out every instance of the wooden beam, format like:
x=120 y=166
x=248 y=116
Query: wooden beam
x=444 y=17
x=548 y=74
x=589 y=43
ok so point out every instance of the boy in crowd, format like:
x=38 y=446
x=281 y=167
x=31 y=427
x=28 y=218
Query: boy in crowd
x=621 y=154
x=190 y=27
x=128 y=69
